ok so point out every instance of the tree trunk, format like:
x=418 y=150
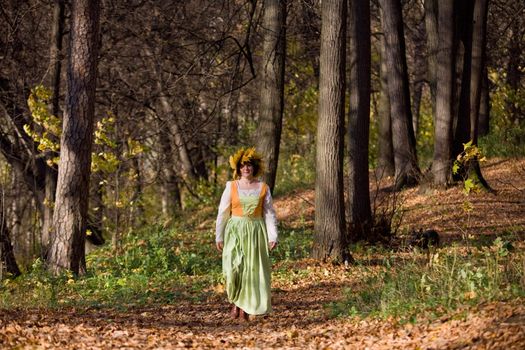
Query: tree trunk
x=170 y=192
x=405 y=158
x=420 y=71
x=272 y=86
x=137 y=209
x=385 y=162
x=55 y=72
x=484 y=105
x=472 y=37
x=71 y=208
x=514 y=72
x=7 y=256
x=478 y=64
x=178 y=138
x=431 y=28
x=359 y=214
x=329 y=240
x=462 y=129
x=443 y=119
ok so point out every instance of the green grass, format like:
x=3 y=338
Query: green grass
x=451 y=280
x=156 y=266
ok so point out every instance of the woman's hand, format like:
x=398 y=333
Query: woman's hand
x=219 y=245
x=272 y=245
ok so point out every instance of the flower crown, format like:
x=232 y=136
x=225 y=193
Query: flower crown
x=243 y=156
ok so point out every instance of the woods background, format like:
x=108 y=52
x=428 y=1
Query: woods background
x=121 y=114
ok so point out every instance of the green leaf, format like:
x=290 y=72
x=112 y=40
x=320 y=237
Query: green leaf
x=455 y=168
x=469 y=185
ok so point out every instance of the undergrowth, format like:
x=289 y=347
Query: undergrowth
x=451 y=279
x=156 y=266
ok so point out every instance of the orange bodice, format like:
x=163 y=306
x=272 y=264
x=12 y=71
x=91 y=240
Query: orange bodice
x=237 y=209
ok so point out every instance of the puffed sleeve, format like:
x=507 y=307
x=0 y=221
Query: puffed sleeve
x=224 y=213
x=270 y=219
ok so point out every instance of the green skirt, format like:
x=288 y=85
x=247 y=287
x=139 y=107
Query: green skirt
x=246 y=265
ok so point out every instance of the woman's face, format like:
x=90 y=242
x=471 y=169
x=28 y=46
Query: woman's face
x=246 y=170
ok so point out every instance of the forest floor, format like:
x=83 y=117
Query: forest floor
x=301 y=318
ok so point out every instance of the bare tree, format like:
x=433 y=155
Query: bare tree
x=7 y=257
x=441 y=164
x=358 y=205
x=71 y=208
x=484 y=105
x=479 y=38
x=431 y=30
x=405 y=158
x=272 y=85
x=385 y=162
x=329 y=240
x=55 y=72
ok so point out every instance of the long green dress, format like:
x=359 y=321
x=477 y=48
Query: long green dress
x=245 y=260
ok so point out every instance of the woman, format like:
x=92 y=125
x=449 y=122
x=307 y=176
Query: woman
x=246 y=231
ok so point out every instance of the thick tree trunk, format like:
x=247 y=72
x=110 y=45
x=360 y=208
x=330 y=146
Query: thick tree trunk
x=71 y=208
x=329 y=240
x=405 y=158
x=359 y=214
x=441 y=164
x=385 y=162
x=272 y=86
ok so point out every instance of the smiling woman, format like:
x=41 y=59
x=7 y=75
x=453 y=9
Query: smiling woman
x=246 y=230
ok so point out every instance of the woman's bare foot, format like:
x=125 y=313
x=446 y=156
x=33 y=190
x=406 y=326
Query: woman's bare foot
x=234 y=313
x=243 y=316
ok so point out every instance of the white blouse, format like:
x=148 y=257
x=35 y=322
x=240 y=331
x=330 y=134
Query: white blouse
x=224 y=213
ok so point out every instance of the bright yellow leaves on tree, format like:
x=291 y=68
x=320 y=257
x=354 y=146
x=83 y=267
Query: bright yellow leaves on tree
x=46 y=128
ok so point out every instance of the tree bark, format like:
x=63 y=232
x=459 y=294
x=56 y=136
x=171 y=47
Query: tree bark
x=464 y=23
x=170 y=191
x=71 y=208
x=272 y=86
x=443 y=119
x=178 y=138
x=7 y=255
x=484 y=106
x=514 y=72
x=405 y=158
x=385 y=163
x=55 y=65
x=479 y=39
x=329 y=240
x=359 y=214
x=431 y=28
x=420 y=71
